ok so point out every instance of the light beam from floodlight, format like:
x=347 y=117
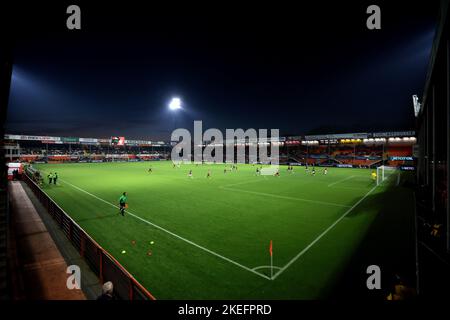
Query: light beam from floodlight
x=175 y=104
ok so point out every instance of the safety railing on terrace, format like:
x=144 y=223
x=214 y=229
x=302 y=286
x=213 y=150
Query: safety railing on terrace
x=104 y=265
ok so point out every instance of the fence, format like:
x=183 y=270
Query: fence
x=101 y=262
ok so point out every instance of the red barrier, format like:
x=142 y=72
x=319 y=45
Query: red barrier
x=102 y=263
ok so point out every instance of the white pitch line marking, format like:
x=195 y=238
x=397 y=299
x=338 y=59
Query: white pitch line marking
x=171 y=233
x=351 y=188
x=339 y=181
x=239 y=183
x=266 y=267
x=321 y=235
x=286 y=197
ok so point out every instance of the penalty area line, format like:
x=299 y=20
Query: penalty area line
x=171 y=233
x=322 y=234
x=339 y=181
x=285 y=197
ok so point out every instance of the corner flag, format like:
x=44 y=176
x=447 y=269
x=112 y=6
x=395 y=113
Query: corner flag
x=271 y=260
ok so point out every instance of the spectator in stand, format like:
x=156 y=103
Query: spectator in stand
x=400 y=291
x=107 y=292
x=436 y=230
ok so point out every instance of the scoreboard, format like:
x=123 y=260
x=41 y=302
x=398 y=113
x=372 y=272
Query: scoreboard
x=118 y=141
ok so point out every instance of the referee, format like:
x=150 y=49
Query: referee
x=123 y=203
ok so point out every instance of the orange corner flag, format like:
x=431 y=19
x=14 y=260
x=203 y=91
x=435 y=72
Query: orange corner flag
x=270 y=248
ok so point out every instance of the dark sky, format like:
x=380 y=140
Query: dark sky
x=300 y=68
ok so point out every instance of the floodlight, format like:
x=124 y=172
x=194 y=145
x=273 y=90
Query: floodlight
x=175 y=104
x=417 y=105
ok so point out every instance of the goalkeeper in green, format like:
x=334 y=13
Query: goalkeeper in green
x=123 y=203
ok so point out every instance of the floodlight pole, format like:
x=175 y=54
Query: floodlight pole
x=174 y=120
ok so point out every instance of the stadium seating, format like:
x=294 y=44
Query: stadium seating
x=359 y=155
x=29 y=152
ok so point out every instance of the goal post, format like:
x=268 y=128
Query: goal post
x=387 y=173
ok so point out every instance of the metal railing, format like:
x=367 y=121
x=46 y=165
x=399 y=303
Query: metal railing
x=102 y=263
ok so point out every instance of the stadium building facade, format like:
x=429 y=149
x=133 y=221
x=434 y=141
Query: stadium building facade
x=365 y=150
x=433 y=137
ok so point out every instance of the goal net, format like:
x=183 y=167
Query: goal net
x=385 y=173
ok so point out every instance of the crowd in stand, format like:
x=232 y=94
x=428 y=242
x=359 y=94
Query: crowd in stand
x=355 y=155
x=359 y=155
x=89 y=153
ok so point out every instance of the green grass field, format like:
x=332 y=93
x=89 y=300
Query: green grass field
x=211 y=236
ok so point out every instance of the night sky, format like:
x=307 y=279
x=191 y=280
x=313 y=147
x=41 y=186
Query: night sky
x=302 y=69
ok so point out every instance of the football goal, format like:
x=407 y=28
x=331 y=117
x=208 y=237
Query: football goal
x=388 y=173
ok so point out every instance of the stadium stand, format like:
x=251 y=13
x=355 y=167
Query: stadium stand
x=395 y=151
x=433 y=213
x=37 y=149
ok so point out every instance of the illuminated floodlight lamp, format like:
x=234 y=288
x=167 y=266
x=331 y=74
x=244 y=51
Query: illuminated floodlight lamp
x=417 y=105
x=175 y=104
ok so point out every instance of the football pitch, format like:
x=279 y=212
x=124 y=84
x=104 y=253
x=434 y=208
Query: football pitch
x=208 y=238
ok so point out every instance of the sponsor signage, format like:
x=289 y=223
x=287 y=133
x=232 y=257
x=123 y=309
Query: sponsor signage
x=138 y=143
x=396 y=158
x=70 y=140
x=293 y=138
x=394 y=134
x=31 y=138
x=362 y=135
x=88 y=140
x=344 y=165
x=12 y=137
x=337 y=136
x=131 y=142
